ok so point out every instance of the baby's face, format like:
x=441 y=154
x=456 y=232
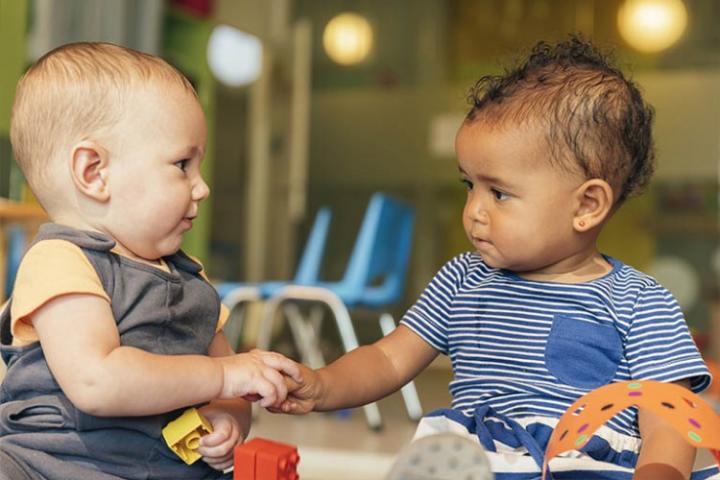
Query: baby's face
x=154 y=173
x=519 y=208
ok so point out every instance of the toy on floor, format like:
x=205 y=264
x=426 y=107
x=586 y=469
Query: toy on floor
x=442 y=456
x=183 y=434
x=685 y=411
x=261 y=459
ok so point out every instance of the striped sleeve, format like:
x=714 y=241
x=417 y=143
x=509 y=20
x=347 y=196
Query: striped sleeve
x=659 y=346
x=428 y=317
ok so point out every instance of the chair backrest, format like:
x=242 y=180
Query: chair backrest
x=380 y=257
x=308 y=269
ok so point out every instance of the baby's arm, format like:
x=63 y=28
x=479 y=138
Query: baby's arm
x=363 y=375
x=100 y=376
x=664 y=454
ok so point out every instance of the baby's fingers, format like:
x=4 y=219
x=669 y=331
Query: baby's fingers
x=222 y=433
x=281 y=363
x=279 y=390
x=291 y=384
x=220 y=463
x=264 y=391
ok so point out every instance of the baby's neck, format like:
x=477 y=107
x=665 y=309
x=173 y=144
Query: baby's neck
x=578 y=268
x=73 y=221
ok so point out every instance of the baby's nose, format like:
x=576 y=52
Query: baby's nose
x=200 y=190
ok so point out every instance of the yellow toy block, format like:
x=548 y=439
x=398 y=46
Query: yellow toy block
x=183 y=434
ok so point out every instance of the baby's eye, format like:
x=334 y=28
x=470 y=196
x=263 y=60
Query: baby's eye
x=468 y=184
x=181 y=164
x=499 y=194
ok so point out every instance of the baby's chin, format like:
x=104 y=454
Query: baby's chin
x=500 y=264
x=489 y=260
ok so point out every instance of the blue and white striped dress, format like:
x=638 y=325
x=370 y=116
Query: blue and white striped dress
x=523 y=351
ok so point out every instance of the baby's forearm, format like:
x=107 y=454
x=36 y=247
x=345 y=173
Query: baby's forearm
x=369 y=373
x=664 y=454
x=132 y=382
x=362 y=376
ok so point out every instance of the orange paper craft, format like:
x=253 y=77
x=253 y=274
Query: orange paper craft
x=694 y=419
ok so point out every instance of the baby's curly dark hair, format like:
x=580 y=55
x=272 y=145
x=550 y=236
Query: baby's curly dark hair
x=594 y=117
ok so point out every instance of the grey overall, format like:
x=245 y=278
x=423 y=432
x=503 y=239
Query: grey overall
x=43 y=435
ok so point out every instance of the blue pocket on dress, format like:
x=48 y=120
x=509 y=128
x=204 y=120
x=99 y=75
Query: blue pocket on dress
x=582 y=354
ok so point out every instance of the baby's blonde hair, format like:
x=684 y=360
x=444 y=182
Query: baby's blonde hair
x=73 y=93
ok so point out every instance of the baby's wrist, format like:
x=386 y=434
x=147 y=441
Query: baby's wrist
x=222 y=372
x=318 y=392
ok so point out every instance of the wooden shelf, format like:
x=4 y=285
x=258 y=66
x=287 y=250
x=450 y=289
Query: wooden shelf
x=14 y=211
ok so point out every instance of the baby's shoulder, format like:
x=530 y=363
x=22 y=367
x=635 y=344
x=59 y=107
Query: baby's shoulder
x=630 y=278
x=53 y=254
x=463 y=268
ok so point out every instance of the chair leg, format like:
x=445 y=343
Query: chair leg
x=350 y=342
x=305 y=335
x=312 y=329
x=409 y=392
x=342 y=319
x=269 y=312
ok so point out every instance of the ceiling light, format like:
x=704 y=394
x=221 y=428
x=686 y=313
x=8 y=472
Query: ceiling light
x=652 y=25
x=348 y=38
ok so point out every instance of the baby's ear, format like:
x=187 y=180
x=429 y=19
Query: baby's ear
x=88 y=168
x=594 y=202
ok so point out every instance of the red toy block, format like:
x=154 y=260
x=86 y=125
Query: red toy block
x=262 y=459
x=244 y=461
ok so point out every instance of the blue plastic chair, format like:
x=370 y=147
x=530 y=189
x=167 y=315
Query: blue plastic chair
x=374 y=279
x=234 y=294
x=17 y=240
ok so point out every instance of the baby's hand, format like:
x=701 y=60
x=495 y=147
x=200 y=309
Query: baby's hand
x=217 y=448
x=302 y=397
x=257 y=375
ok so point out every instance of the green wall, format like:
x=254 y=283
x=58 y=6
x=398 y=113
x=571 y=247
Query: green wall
x=13 y=14
x=184 y=46
x=13 y=17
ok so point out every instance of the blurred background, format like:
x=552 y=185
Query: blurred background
x=321 y=103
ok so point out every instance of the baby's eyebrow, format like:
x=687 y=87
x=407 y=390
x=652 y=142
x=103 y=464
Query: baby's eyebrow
x=190 y=151
x=487 y=178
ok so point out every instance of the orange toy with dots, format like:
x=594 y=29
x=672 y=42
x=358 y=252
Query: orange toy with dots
x=686 y=412
x=261 y=459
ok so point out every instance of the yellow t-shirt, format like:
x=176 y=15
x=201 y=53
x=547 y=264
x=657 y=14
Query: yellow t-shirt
x=52 y=268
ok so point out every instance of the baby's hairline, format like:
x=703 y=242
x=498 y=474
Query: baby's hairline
x=564 y=161
x=107 y=133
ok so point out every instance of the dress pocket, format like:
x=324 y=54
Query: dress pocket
x=582 y=354
x=39 y=413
